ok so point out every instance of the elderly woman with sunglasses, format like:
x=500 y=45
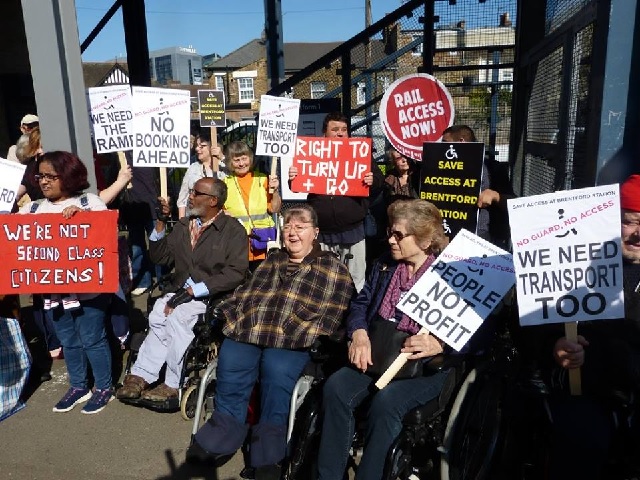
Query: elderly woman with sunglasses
x=209 y=164
x=78 y=319
x=416 y=237
x=293 y=297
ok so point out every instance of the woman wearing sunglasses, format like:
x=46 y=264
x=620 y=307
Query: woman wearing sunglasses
x=416 y=237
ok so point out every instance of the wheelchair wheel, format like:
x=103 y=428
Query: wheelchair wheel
x=188 y=402
x=473 y=428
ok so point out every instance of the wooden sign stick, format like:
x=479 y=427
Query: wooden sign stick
x=274 y=170
x=397 y=364
x=163 y=182
x=215 y=161
x=575 y=384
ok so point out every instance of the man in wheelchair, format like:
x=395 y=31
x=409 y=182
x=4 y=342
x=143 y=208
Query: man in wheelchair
x=294 y=296
x=376 y=328
x=608 y=354
x=209 y=260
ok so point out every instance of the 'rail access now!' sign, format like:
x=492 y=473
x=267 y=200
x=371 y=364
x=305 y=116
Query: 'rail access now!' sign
x=415 y=109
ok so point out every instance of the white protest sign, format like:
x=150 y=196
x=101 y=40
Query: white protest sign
x=111 y=118
x=161 y=118
x=278 y=125
x=460 y=289
x=567 y=256
x=11 y=174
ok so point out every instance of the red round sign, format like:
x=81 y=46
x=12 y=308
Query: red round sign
x=415 y=109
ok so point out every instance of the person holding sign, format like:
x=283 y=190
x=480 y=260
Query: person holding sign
x=294 y=296
x=608 y=355
x=341 y=217
x=209 y=261
x=209 y=164
x=78 y=319
x=416 y=237
x=249 y=200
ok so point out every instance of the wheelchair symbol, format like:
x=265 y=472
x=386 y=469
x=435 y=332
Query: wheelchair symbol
x=451 y=153
x=445 y=226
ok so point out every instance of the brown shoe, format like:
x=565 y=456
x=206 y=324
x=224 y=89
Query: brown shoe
x=132 y=387
x=160 y=394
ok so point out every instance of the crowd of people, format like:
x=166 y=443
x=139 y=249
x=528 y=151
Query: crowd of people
x=272 y=307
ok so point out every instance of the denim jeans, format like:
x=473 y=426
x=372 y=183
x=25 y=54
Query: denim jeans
x=343 y=392
x=141 y=266
x=238 y=367
x=45 y=324
x=83 y=336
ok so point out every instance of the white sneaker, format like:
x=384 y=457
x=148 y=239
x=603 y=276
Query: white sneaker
x=136 y=292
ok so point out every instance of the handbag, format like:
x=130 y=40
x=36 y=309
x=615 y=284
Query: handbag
x=386 y=342
x=261 y=236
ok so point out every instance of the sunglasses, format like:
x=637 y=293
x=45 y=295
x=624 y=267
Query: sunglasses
x=399 y=236
x=197 y=193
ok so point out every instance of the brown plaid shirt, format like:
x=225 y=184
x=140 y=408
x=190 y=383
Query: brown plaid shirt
x=277 y=309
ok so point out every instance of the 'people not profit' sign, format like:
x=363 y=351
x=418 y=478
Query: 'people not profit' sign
x=415 y=109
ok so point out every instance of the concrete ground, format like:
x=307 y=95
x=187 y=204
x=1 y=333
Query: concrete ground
x=121 y=442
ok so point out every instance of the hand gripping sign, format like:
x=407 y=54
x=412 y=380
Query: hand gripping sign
x=456 y=294
x=567 y=256
x=332 y=166
x=415 y=109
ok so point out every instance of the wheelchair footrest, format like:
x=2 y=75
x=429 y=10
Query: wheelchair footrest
x=168 y=406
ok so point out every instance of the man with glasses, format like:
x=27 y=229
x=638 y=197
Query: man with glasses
x=209 y=262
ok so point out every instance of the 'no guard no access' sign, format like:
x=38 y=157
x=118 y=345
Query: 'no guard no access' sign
x=415 y=109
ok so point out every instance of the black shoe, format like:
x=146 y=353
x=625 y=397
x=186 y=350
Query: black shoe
x=268 y=472
x=197 y=454
x=45 y=377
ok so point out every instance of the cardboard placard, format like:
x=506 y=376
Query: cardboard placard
x=277 y=125
x=111 y=118
x=450 y=178
x=460 y=289
x=11 y=174
x=45 y=253
x=212 y=109
x=161 y=127
x=567 y=255
x=332 y=166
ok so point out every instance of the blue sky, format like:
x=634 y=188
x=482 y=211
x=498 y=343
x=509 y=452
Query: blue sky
x=222 y=26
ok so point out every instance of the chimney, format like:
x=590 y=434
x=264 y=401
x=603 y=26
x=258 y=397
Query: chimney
x=505 y=21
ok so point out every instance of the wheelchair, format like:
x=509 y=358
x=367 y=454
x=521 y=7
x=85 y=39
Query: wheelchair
x=200 y=354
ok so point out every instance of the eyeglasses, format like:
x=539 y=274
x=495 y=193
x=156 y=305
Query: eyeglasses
x=46 y=176
x=202 y=145
x=398 y=236
x=297 y=229
x=197 y=193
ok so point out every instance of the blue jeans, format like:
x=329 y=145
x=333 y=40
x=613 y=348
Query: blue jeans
x=141 y=266
x=82 y=334
x=343 y=392
x=45 y=324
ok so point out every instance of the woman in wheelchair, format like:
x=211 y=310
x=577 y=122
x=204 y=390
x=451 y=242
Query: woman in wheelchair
x=416 y=237
x=293 y=297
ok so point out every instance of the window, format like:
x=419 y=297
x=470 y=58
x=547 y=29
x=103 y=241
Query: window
x=163 y=69
x=318 y=89
x=417 y=50
x=245 y=89
x=361 y=93
x=220 y=82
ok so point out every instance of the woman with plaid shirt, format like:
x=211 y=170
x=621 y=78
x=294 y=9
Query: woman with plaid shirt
x=294 y=296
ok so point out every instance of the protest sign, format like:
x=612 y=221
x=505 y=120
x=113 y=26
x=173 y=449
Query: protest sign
x=161 y=127
x=450 y=179
x=310 y=121
x=11 y=174
x=567 y=255
x=111 y=118
x=460 y=289
x=211 y=107
x=46 y=253
x=332 y=166
x=415 y=109
x=277 y=125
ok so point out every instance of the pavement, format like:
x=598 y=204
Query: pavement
x=121 y=442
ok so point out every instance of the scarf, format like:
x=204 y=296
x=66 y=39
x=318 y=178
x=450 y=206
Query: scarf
x=399 y=285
